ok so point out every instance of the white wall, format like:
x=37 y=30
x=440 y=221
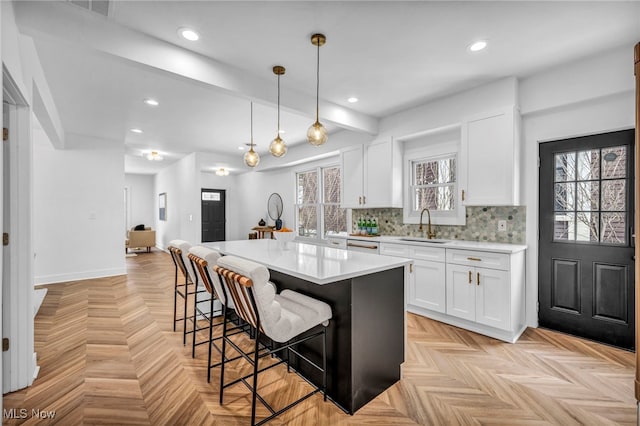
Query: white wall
x=180 y=182
x=140 y=189
x=595 y=95
x=78 y=210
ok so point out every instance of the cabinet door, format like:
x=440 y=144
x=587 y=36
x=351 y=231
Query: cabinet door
x=492 y=298
x=461 y=292
x=352 y=177
x=490 y=148
x=427 y=287
x=383 y=175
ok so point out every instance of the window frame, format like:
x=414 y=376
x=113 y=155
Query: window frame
x=320 y=204
x=433 y=152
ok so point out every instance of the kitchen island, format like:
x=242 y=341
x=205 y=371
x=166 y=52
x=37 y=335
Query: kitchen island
x=366 y=335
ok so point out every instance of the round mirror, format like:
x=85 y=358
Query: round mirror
x=274 y=206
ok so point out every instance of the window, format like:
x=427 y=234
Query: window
x=433 y=170
x=590 y=200
x=433 y=184
x=318 y=202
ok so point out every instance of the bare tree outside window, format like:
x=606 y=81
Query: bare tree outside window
x=590 y=201
x=318 y=202
x=433 y=184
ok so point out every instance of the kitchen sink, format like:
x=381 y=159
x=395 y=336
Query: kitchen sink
x=425 y=240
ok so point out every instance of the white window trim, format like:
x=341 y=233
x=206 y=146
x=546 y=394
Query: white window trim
x=429 y=153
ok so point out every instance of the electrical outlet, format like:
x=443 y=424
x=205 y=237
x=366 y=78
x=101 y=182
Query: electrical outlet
x=502 y=225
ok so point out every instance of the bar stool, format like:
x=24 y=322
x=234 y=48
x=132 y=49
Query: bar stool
x=179 y=250
x=203 y=259
x=287 y=318
x=176 y=249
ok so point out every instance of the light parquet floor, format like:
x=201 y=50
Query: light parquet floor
x=108 y=355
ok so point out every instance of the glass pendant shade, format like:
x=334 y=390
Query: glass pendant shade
x=317 y=134
x=251 y=158
x=277 y=147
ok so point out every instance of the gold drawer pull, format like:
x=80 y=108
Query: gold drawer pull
x=474 y=259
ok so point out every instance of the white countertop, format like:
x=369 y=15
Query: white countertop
x=450 y=244
x=316 y=263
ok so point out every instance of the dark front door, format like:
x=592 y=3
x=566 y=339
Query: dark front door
x=213 y=215
x=586 y=255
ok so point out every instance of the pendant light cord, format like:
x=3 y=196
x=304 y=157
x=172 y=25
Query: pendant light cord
x=252 y=126
x=318 y=84
x=278 y=135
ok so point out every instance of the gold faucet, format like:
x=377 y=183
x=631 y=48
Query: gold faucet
x=430 y=234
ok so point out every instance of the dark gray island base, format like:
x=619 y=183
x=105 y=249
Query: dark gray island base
x=365 y=337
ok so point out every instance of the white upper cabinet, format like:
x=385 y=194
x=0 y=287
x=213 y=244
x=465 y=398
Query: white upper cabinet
x=490 y=148
x=372 y=175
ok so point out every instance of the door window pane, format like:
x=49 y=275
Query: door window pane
x=588 y=165
x=588 y=195
x=614 y=162
x=587 y=226
x=564 y=227
x=614 y=195
x=565 y=196
x=614 y=228
x=565 y=166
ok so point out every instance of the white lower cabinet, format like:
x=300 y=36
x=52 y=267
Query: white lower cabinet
x=479 y=294
x=480 y=291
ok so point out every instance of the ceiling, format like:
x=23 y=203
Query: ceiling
x=391 y=55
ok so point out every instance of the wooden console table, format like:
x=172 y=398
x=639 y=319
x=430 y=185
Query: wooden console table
x=261 y=230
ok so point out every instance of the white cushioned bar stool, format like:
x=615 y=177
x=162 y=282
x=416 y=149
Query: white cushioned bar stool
x=179 y=250
x=203 y=259
x=288 y=318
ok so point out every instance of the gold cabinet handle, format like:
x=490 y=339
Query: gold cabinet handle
x=411 y=268
x=469 y=277
x=475 y=259
x=463 y=195
x=364 y=199
x=478 y=278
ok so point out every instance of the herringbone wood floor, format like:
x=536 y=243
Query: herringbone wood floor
x=108 y=355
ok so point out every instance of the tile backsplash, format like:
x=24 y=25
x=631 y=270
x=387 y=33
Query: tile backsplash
x=482 y=224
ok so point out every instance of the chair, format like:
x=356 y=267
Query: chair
x=203 y=259
x=179 y=250
x=287 y=318
x=145 y=238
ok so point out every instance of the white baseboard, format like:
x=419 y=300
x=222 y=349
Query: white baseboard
x=78 y=276
x=39 y=295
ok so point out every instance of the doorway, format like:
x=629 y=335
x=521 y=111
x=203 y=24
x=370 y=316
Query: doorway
x=586 y=255
x=213 y=215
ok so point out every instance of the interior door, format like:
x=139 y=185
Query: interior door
x=213 y=215
x=586 y=254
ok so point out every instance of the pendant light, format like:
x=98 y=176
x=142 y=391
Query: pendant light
x=251 y=158
x=278 y=148
x=317 y=134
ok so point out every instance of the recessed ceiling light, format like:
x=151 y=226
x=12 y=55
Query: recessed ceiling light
x=136 y=130
x=188 y=34
x=352 y=100
x=478 y=45
x=151 y=102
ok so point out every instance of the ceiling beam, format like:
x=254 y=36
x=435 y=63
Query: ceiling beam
x=75 y=25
